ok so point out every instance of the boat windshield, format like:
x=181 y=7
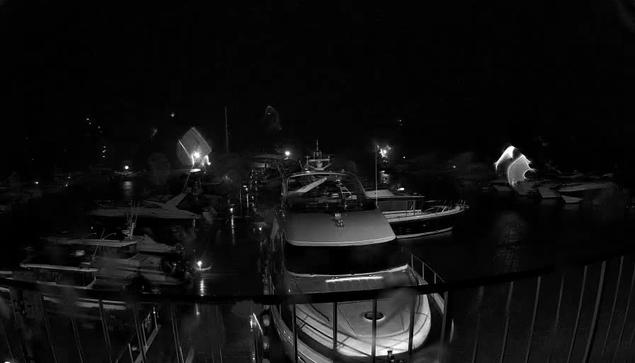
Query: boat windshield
x=326 y=191
x=343 y=260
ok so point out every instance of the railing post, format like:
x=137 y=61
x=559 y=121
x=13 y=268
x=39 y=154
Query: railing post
x=481 y=294
x=507 y=315
x=373 y=348
x=77 y=340
x=6 y=338
x=104 y=325
x=47 y=326
x=423 y=270
x=533 y=318
x=628 y=308
x=130 y=353
x=446 y=308
x=596 y=309
x=334 y=330
x=577 y=318
x=142 y=344
x=411 y=327
x=175 y=334
x=617 y=289
x=556 y=323
x=295 y=334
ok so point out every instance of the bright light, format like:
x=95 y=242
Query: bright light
x=195 y=170
x=103 y=151
x=231 y=210
x=196 y=155
x=287 y=153
x=384 y=151
x=404 y=157
x=126 y=167
x=199 y=264
x=401 y=189
x=172 y=114
x=37 y=182
x=517 y=170
x=506 y=155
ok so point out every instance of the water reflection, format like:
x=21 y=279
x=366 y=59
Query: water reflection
x=128 y=190
x=202 y=291
x=509 y=228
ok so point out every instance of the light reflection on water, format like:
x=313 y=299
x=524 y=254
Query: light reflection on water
x=128 y=190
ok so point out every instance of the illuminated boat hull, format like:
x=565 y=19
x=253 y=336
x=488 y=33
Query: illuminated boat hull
x=354 y=333
x=407 y=225
x=547 y=192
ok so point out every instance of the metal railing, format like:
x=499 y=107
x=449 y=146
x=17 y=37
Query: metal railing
x=580 y=312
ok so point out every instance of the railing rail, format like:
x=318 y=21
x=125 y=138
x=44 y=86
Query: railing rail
x=590 y=321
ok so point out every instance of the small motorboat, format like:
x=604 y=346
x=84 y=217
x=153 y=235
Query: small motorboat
x=412 y=216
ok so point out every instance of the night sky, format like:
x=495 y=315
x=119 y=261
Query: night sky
x=464 y=75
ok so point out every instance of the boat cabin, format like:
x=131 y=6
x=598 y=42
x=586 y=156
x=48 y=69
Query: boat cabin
x=37 y=268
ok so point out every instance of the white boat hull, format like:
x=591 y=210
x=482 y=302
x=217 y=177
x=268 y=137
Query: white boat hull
x=548 y=193
x=571 y=200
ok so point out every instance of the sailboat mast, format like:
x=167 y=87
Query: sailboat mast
x=226 y=133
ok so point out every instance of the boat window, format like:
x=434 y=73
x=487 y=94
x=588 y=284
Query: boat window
x=44 y=275
x=343 y=260
x=328 y=191
x=72 y=278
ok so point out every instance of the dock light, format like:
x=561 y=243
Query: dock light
x=287 y=153
x=126 y=167
x=199 y=264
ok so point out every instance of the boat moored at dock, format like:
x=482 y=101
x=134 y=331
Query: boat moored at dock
x=329 y=236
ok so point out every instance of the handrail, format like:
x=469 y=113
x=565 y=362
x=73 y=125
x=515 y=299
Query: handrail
x=345 y=296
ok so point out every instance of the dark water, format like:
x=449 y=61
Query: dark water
x=504 y=233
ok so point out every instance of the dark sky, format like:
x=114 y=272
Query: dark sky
x=453 y=71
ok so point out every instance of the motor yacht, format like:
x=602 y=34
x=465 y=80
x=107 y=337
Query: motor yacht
x=329 y=236
x=62 y=267
x=145 y=209
x=412 y=216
